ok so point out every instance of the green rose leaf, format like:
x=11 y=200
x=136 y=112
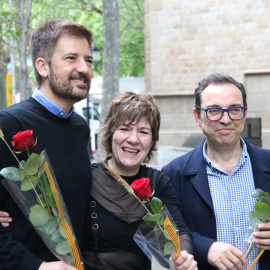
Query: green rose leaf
x=41 y=160
x=31 y=166
x=70 y=259
x=63 y=248
x=268 y=195
x=45 y=184
x=169 y=248
x=23 y=175
x=261 y=196
x=254 y=219
x=151 y=220
x=39 y=216
x=62 y=230
x=26 y=185
x=262 y=210
x=39 y=228
x=41 y=170
x=156 y=205
x=11 y=173
x=51 y=201
x=50 y=226
x=40 y=200
x=56 y=237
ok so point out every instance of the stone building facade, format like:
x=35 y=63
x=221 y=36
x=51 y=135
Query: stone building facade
x=186 y=40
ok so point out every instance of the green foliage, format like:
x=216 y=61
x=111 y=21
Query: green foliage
x=169 y=248
x=32 y=164
x=131 y=39
x=262 y=206
x=51 y=226
x=262 y=210
x=39 y=216
x=56 y=236
x=254 y=219
x=11 y=173
x=131 y=35
x=29 y=183
x=261 y=196
x=63 y=247
x=151 y=220
x=156 y=205
x=261 y=213
x=156 y=220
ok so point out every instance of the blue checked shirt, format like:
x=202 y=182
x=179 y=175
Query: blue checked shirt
x=232 y=200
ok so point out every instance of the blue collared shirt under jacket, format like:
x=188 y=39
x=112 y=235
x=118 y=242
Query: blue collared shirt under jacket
x=232 y=200
x=38 y=96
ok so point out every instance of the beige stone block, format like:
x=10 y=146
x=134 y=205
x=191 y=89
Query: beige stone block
x=157 y=83
x=147 y=32
x=265 y=119
x=179 y=120
x=156 y=5
x=255 y=102
x=266 y=141
x=257 y=82
x=147 y=6
x=263 y=25
x=247 y=20
x=189 y=63
x=147 y=58
x=156 y=69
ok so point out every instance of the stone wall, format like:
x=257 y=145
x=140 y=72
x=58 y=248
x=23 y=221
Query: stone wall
x=187 y=40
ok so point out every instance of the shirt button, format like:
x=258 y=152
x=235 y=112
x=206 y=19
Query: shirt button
x=61 y=113
x=93 y=204
x=94 y=215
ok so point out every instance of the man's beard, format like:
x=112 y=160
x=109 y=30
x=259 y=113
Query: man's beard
x=64 y=89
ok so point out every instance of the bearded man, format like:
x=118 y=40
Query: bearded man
x=62 y=57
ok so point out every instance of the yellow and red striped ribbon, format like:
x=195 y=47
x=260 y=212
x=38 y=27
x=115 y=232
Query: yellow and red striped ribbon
x=255 y=261
x=73 y=247
x=172 y=234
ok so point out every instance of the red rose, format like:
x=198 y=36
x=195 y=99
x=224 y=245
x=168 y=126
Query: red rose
x=142 y=188
x=23 y=140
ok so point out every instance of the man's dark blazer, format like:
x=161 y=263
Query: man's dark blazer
x=189 y=178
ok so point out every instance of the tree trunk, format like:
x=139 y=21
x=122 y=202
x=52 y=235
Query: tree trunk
x=3 y=71
x=111 y=58
x=25 y=17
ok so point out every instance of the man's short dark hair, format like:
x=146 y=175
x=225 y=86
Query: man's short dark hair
x=217 y=79
x=45 y=38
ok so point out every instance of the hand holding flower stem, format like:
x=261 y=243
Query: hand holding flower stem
x=261 y=214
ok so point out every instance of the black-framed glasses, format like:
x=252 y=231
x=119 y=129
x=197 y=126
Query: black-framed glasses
x=215 y=114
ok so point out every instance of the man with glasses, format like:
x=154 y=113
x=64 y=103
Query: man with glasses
x=214 y=182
